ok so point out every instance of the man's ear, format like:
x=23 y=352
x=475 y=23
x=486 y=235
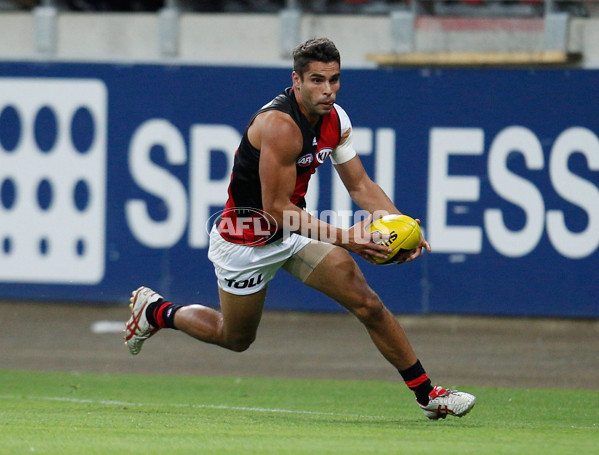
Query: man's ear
x=296 y=78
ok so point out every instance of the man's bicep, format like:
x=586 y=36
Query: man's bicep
x=280 y=148
x=277 y=173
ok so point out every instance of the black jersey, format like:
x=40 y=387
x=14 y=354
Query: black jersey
x=243 y=220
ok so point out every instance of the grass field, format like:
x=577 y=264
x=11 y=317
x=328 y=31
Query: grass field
x=62 y=413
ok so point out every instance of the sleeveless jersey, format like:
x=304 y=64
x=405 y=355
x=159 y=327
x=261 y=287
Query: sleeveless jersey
x=243 y=220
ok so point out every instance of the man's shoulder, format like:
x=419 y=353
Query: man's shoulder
x=274 y=118
x=344 y=121
x=273 y=124
x=280 y=109
x=281 y=102
x=340 y=111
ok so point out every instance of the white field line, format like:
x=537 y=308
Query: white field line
x=193 y=406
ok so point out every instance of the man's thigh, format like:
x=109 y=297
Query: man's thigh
x=303 y=263
x=241 y=313
x=338 y=276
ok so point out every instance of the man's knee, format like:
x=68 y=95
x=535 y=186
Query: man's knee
x=340 y=277
x=368 y=308
x=240 y=343
x=359 y=298
x=364 y=302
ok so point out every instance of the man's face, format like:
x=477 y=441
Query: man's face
x=316 y=90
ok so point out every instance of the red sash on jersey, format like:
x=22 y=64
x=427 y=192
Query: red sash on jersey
x=330 y=135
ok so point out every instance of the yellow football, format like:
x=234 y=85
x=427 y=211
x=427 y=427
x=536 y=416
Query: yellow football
x=400 y=232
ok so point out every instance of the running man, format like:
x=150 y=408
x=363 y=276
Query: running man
x=285 y=142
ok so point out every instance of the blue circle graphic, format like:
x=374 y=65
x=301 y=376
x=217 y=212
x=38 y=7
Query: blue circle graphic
x=80 y=247
x=7 y=245
x=10 y=128
x=83 y=130
x=44 y=194
x=81 y=195
x=8 y=193
x=45 y=128
x=44 y=246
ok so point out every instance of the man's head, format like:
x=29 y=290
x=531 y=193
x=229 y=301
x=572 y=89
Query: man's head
x=314 y=50
x=315 y=77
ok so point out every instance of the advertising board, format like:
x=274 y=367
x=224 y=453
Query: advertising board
x=109 y=175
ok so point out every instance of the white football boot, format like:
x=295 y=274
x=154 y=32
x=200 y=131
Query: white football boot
x=138 y=329
x=444 y=402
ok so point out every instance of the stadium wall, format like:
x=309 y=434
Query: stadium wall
x=253 y=39
x=110 y=173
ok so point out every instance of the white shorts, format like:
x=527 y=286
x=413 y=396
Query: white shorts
x=243 y=270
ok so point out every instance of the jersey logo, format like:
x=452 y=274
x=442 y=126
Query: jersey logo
x=323 y=154
x=305 y=160
x=314 y=142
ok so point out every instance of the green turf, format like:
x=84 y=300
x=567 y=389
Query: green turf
x=61 y=413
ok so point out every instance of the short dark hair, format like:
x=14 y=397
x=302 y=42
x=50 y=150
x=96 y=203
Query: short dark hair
x=314 y=50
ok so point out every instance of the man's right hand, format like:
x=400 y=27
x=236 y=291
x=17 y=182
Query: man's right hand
x=358 y=240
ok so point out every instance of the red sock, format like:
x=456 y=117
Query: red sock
x=417 y=380
x=161 y=314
